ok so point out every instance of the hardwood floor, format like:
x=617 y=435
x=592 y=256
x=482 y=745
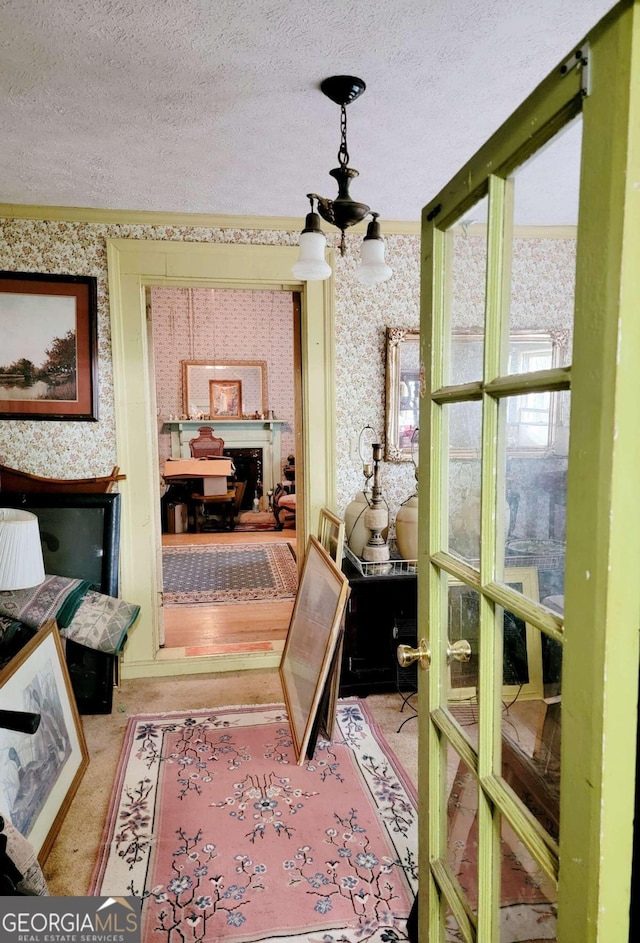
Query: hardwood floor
x=239 y=627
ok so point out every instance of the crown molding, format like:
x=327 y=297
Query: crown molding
x=81 y=214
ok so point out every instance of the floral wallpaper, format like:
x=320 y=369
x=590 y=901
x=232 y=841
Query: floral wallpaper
x=78 y=449
x=72 y=450
x=362 y=316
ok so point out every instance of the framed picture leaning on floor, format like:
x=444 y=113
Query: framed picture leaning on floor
x=40 y=772
x=314 y=632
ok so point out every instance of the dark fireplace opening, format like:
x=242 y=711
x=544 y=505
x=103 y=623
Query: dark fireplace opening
x=248 y=464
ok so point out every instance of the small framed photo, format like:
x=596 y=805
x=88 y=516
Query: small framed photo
x=48 y=358
x=225 y=399
x=308 y=660
x=41 y=771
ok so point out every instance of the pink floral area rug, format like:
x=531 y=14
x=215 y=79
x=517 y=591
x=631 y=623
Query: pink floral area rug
x=225 y=838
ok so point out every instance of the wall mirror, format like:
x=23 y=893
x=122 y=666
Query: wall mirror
x=533 y=419
x=201 y=380
x=402 y=392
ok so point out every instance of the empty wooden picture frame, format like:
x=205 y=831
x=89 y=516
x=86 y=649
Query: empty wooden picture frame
x=41 y=771
x=331 y=534
x=311 y=641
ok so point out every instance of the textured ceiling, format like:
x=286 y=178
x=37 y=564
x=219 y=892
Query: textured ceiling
x=213 y=106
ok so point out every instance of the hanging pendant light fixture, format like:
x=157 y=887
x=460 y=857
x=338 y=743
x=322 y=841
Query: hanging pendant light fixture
x=342 y=212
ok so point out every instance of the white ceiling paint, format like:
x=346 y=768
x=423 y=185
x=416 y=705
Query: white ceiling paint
x=213 y=106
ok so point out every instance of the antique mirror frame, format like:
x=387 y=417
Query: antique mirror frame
x=196 y=377
x=403 y=383
x=403 y=380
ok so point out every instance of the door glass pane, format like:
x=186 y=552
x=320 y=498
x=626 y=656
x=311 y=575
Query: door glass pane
x=466 y=293
x=464 y=623
x=534 y=501
x=521 y=648
x=543 y=250
x=531 y=728
x=528 y=898
x=463 y=422
x=462 y=825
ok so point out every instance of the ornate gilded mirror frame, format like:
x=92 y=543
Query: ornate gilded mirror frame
x=402 y=392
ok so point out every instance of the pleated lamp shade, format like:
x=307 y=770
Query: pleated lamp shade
x=21 y=563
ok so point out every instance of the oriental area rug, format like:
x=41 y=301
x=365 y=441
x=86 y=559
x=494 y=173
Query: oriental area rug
x=206 y=573
x=223 y=837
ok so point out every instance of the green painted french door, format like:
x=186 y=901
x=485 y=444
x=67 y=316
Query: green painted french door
x=529 y=573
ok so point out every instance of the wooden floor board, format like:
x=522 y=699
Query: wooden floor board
x=238 y=627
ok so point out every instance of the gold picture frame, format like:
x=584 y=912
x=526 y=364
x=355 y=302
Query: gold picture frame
x=197 y=374
x=403 y=384
x=225 y=399
x=522 y=656
x=331 y=534
x=55 y=756
x=312 y=639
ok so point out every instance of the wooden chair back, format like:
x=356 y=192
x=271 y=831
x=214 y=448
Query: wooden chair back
x=206 y=444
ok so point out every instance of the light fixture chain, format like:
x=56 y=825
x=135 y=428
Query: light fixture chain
x=343 y=153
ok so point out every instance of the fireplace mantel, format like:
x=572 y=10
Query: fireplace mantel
x=237 y=434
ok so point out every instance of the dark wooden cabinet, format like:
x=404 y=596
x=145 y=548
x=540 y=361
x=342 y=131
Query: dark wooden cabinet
x=376 y=605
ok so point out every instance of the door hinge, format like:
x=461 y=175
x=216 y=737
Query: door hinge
x=579 y=59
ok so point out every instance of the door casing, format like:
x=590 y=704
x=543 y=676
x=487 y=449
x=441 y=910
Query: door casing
x=133 y=265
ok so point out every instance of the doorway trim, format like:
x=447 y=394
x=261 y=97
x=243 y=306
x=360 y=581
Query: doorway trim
x=133 y=265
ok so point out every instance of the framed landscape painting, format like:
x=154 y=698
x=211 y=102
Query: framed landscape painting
x=41 y=771
x=48 y=356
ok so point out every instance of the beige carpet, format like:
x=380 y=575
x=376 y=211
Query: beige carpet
x=70 y=863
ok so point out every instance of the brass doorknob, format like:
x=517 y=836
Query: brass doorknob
x=458 y=651
x=407 y=655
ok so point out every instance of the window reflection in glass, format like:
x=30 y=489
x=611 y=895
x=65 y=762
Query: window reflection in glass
x=466 y=287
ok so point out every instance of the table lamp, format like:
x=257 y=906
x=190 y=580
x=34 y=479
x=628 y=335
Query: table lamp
x=21 y=567
x=21 y=563
x=376 y=517
x=355 y=532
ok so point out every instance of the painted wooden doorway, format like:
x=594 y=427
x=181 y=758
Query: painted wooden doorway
x=134 y=265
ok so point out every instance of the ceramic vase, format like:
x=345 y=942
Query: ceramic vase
x=355 y=531
x=407 y=529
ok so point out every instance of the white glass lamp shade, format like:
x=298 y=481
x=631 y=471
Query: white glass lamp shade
x=372 y=268
x=21 y=563
x=311 y=265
